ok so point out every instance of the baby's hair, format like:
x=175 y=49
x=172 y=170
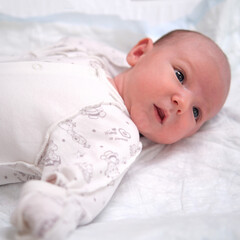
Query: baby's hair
x=180 y=33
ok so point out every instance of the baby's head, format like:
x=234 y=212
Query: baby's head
x=174 y=85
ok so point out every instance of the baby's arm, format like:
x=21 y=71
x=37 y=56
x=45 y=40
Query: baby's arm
x=83 y=163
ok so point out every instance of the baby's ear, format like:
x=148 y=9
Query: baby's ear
x=139 y=50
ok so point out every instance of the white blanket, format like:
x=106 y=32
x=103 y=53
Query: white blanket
x=188 y=190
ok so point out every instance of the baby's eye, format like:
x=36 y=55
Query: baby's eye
x=180 y=76
x=195 y=113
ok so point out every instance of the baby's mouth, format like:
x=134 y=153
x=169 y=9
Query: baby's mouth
x=160 y=113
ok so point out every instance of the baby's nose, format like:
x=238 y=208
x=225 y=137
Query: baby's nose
x=181 y=102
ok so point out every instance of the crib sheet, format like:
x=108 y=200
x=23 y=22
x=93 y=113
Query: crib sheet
x=188 y=190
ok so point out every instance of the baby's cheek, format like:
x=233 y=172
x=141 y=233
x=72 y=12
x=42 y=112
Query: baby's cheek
x=195 y=130
x=141 y=121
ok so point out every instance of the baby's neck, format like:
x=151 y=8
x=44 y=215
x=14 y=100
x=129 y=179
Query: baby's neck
x=118 y=82
x=113 y=83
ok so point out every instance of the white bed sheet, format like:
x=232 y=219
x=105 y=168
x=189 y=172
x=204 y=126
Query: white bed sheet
x=189 y=190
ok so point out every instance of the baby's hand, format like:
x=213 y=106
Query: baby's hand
x=46 y=212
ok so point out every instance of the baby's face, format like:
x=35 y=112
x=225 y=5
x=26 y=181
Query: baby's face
x=171 y=90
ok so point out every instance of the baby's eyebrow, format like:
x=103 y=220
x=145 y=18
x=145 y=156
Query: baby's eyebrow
x=184 y=66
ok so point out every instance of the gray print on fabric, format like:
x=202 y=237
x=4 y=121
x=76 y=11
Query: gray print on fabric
x=46 y=226
x=134 y=149
x=69 y=126
x=49 y=156
x=96 y=65
x=86 y=168
x=124 y=133
x=23 y=177
x=51 y=217
x=76 y=202
x=118 y=134
x=112 y=164
x=93 y=112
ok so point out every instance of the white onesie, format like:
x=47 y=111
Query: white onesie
x=66 y=124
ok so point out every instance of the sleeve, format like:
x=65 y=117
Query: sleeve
x=83 y=163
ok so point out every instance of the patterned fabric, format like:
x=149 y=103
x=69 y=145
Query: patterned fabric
x=82 y=156
x=83 y=163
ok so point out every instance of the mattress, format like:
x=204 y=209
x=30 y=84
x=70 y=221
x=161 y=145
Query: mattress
x=187 y=190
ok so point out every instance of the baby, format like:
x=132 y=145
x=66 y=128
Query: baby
x=80 y=140
x=163 y=109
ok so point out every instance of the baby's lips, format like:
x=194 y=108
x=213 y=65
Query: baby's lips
x=161 y=113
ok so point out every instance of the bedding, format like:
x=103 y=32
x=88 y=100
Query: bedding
x=188 y=190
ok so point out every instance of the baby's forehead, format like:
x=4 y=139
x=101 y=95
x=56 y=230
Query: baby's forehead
x=204 y=48
x=215 y=70
x=193 y=41
x=198 y=43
